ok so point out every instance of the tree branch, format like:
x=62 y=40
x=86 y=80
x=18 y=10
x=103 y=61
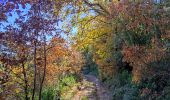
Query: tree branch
x=101 y=10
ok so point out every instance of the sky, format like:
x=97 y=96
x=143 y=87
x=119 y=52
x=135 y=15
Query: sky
x=11 y=21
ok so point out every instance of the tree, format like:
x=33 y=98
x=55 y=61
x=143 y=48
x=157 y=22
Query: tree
x=37 y=27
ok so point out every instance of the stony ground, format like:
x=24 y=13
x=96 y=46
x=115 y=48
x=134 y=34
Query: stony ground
x=89 y=89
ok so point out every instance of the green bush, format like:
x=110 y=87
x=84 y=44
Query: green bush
x=64 y=85
x=158 y=86
x=68 y=80
x=50 y=93
x=122 y=88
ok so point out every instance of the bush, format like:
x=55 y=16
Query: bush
x=156 y=87
x=68 y=80
x=50 y=93
x=122 y=88
x=66 y=83
x=55 y=92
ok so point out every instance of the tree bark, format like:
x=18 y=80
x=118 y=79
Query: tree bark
x=35 y=69
x=25 y=81
x=45 y=65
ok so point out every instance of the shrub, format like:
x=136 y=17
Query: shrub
x=122 y=88
x=50 y=93
x=68 y=80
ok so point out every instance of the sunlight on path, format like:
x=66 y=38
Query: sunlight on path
x=91 y=89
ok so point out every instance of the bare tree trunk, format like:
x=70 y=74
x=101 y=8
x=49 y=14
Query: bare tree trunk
x=36 y=13
x=26 y=82
x=35 y=69
x=45 y=65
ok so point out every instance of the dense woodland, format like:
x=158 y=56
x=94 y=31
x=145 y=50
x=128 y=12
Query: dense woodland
x=50 y=49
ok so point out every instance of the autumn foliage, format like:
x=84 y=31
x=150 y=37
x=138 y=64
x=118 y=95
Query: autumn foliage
x=126 y=43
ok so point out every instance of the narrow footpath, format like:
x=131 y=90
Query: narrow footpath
x=93 y=91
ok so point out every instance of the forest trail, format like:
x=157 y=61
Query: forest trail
x=95 y=91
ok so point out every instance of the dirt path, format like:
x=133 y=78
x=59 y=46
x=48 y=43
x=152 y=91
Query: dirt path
x=93 y=91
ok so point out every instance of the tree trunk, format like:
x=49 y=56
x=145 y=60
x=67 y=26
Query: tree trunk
x=26 y=82
x=35 y=69
x=45 y=65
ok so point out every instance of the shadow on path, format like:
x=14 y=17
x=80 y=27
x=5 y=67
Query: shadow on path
x=94 y=91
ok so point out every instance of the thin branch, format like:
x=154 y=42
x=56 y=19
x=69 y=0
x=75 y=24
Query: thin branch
x=101 y=10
